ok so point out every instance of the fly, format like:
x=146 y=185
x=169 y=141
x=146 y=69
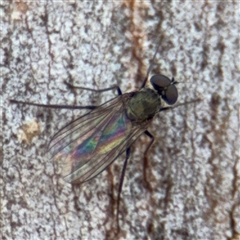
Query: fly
x=88 y=145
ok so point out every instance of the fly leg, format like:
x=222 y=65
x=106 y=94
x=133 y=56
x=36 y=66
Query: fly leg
x=151 y=66
x=96 y=90
x=121 y=184
x=124 y=169
x=91 y=107
x=145 y=163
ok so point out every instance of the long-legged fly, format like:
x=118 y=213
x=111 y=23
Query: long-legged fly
x=88 y=145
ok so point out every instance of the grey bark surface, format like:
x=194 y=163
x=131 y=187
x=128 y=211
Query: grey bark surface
x=193 y=169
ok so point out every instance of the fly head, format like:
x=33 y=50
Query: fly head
x=165 y=88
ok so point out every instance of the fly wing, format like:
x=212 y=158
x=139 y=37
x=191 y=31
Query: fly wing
x=86 y=146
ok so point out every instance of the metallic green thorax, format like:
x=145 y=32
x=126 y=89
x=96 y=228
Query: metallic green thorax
x=143 y=105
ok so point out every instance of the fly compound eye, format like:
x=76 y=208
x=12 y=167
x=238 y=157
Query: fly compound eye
x=171 y=94
x=160 y=81
x=165 y=88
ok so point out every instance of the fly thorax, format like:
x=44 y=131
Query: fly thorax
x=143 y=105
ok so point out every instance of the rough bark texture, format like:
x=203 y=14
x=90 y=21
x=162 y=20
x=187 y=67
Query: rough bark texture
x=192 y=170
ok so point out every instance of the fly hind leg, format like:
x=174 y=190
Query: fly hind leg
x=90 y=107
x=145 y=160
x=120 y=186
x=96 y=90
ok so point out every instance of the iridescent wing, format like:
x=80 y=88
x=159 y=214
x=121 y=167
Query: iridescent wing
x=86 y=146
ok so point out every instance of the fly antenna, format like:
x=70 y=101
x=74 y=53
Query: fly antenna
x=185 y=82
x=180 y=104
